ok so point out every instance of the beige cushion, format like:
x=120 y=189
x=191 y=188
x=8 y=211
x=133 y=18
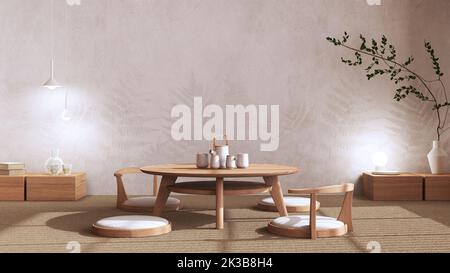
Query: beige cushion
x=149 y=201
x=132 y=222
x=302 y=222
x=290 y=201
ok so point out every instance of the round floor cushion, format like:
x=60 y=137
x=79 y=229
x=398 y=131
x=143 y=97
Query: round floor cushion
x=298 y=226
x=146 y=203
x=293 y=204
x=131 y=226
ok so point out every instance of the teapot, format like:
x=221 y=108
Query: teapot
x=214 y=162
x=222 y=151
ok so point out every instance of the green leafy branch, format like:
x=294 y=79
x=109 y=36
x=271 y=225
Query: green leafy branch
x=382 y=60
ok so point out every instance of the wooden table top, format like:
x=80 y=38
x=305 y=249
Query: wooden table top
x=190 y=170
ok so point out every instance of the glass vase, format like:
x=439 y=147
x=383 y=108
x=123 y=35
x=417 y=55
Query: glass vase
x=54 y=164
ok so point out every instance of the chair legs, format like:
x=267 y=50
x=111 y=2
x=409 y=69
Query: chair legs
x=346 y=211
x=317 y=226
x=312 y=216
x=121 y=193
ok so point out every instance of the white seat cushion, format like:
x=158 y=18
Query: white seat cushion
x=290 y=201
x=149 y=201
x=132 y=222
x=302 y=222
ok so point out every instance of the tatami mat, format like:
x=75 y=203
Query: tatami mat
x=393 y=226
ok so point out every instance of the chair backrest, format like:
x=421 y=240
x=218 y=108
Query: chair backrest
x=342 y=188
x=121 y=193
x=345 y=215
x=123 y=171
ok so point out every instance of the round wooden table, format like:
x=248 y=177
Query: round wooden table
x=170 y=173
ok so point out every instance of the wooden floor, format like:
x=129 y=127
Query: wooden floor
x=393 y=226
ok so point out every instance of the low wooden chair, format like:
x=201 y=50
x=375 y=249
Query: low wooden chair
x=314 y=226
x=140 y=204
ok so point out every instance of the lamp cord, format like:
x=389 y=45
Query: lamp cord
x=52 y=35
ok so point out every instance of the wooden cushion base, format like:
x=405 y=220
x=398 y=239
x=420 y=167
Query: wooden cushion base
x=129 y=226
x=146 y=204
x=293 y=204
x=298 y=226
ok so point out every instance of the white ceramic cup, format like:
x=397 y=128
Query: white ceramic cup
x=231 y=162
x=67 y=169
x=202 y=160
x=242 y=161
x=215 y=162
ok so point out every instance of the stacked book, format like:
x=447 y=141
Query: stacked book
x=12 y=168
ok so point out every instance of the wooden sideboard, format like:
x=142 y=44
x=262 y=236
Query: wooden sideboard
x=43 y=187
x=407 y=186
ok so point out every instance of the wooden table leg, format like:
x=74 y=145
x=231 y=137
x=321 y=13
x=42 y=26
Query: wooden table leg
x=277 y=194
x=219 y=203
x=155 y=185
x=163 y=194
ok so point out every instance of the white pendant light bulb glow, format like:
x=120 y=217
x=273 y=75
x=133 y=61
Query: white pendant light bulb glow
x=65 y=116
x=380 y=160
x=51 y=83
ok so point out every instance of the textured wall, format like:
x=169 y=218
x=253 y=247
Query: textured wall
x=126 y=63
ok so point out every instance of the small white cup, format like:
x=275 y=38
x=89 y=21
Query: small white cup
x=231 y=162
x=242 y=161
x=67 y=169
x=215 y=162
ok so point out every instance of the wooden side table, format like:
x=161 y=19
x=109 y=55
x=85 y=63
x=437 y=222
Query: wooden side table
x=44 y=187
x=407 y=186
x=12 y=188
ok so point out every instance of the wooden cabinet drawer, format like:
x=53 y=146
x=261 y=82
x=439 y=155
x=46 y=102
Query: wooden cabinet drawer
x=56 y=188
x=12 y=188
x=437 y=187
x=393 y=187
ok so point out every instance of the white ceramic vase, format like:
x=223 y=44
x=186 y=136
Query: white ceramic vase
x=437 y=158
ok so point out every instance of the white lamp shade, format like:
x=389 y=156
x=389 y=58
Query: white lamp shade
x=51 y=84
